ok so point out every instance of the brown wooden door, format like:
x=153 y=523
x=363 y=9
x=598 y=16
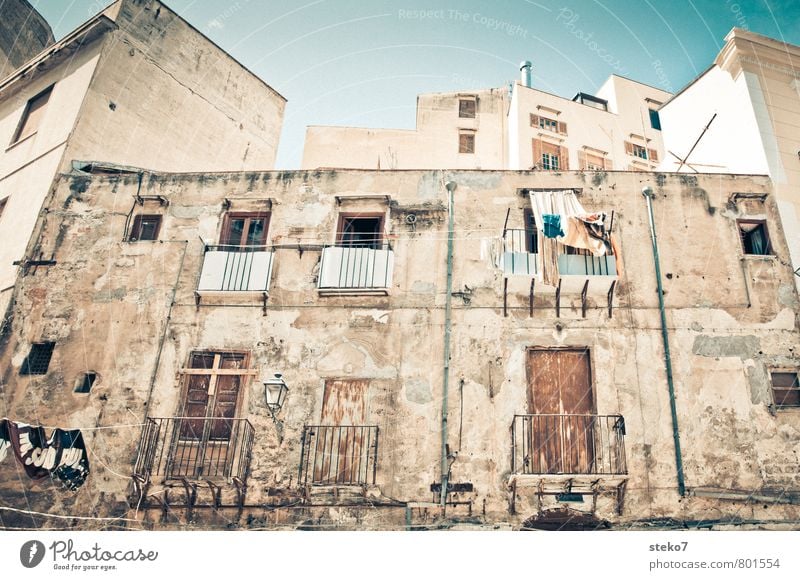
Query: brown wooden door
x=210 y=401
x=561 y=406
x=341 y=438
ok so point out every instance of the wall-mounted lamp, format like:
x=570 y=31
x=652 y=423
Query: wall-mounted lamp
x=275 y=391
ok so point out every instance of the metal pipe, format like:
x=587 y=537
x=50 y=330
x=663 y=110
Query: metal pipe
x=647 y=192
x=450 y=186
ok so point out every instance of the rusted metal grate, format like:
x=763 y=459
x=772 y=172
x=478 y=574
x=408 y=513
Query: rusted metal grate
x=568 y=444
x=195 y=448
x=339 y=455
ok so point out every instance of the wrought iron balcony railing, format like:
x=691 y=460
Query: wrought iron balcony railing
x=236 y=269
x=356 y=268
x=568 y=444
x=195 y=448
x=584 y=265
x=338 y=455
x=519 y=252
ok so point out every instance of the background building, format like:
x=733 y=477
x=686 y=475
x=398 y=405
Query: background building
x=134 y=85
x=23 y=35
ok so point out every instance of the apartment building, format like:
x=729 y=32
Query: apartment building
x=332 y=349
x=134 y=85
x=517 y=128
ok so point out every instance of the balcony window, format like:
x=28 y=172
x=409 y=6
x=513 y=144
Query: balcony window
x=360 y=260
x=241 y=262
x=145 y=228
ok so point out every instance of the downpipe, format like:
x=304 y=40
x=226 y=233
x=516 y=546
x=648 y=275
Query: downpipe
x=450 y=186
x=647 y=192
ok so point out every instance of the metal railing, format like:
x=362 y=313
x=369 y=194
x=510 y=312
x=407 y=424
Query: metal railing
x=355 y=267
x=338 y=455
x=519 y=252
x=236 y=268
x=195 y=448
x=584 y=265
x=568 y=444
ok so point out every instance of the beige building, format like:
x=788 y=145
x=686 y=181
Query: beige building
x=135 y=85
x=556 y=397
x=742 y=115
x=618 y=128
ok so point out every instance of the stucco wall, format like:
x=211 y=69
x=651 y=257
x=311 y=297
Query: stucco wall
x=107 y=304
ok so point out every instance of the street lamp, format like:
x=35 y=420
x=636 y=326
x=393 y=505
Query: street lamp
x=275 y=391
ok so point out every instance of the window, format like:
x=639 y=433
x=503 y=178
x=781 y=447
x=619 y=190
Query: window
x=593 y=160
x=244 y=229
x=34 y=111
x=755 y=238
x=38 y=359
x=145 y=228
x=641 y=151
x=466 y=142
x=360 y=231
x=785 y=390
x=531 y=233
x=85 y=383
x=467 y=108
x=548 y=124
x=549 y=156
x=2 y=206
x=655 y=121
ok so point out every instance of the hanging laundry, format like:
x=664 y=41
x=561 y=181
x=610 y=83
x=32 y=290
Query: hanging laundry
x=62 y=456
x=552 y=225
x=588 y=232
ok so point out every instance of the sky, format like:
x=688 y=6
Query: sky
x=362 y=63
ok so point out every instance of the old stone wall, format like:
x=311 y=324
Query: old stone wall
x=129 y=311
x=24 y=33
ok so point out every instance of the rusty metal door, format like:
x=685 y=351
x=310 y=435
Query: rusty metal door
x=562 y=411
x=340 y=446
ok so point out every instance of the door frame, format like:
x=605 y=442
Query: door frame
x=590 y=354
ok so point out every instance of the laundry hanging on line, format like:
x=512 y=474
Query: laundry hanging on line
x=62 y=456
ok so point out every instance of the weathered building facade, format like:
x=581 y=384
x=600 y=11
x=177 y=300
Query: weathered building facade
x=134 y=85
x=396 y=314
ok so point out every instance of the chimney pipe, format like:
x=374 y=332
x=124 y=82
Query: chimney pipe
x=525 y=72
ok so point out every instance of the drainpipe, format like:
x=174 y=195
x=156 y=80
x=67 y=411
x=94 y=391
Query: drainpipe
x=647 y=192
x=450 y=186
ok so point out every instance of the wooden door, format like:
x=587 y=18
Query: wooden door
x=210 y=402
x=560 y=402
x=341 y=437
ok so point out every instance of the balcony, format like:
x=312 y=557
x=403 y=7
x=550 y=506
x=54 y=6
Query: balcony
x=236 y=269
x=517 y=258
x=568 y=445
x=355 y=270
x=212 y=449
x=338 y=455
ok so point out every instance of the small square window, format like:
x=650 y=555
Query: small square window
x=466 y=142
x=785 y=390
x=85 y=383
x=38 y=359
x=655 y=120
x=467 y=108
x=145 y=228
x=34 y=111
x=755 y=238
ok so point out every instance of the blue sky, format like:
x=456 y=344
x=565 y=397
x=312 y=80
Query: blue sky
x=362 y=63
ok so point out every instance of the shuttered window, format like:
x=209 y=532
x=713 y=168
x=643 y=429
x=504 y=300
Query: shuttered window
x=467 y=108
x=31 y=118
x=549 y=156
x=145 y=228
x=785 y=389
x=466 y=142
x=549 y=124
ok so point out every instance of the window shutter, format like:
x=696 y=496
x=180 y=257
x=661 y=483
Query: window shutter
x=534 y=120
x=537 y=154
x=652 y=155
x=563 y=158
x=628 y=148
x=607 y=164
x=562 y=128
x=582 y=159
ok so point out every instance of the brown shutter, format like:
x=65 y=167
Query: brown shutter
x=582 y=159
x=608 y=165
x=562 y=128
x=537 y=153
x=652 y=155
x=563 y=158
x=628 y=147
x=534 y=120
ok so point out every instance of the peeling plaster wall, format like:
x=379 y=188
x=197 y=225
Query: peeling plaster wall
x=107 y=304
